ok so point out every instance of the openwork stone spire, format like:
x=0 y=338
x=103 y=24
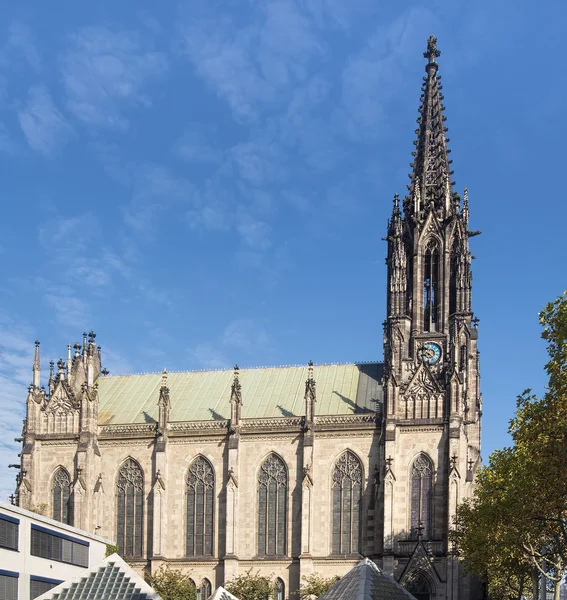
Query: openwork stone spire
x=310 y=396
x=36 y=367
x=235 y=399
x=431 y=174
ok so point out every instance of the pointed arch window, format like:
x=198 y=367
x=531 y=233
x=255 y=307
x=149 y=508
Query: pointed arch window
x=200 y=508
x=431 y=287
x=279 y=592
x=272 y=507
x=62 y=500
x=206 y=590
x=347 y=496
x=130 y=509
x=421 y=496
x=419 y=587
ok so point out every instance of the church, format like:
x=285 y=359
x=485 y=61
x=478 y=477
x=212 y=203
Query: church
x=294 y=470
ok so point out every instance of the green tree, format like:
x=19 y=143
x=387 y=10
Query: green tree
x=516 y=521
x=251 y=586
x=315 y=585
x=172 y=584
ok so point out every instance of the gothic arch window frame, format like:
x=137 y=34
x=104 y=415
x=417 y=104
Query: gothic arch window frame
x=415 y=521
x=283 y=544
x=205 y=589
x=415 y=580
x=69 y=521
x=453 y=256
x=279 y=589
x=138 y=520
x=431 y=294
x=337 y=521
x=211 y=530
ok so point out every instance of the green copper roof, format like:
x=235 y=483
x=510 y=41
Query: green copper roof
x=268 y=392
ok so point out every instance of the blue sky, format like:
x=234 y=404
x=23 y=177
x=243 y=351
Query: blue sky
x=206 y=183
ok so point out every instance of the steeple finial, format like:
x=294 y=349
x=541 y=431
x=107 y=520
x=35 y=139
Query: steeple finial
x=164 y=403
x=36 y=367
x=432 y=52
x=164 y=379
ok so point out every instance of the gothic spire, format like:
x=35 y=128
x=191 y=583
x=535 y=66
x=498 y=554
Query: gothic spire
x=36 y=367
x=431 y=173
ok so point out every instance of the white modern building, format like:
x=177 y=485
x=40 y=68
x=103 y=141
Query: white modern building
x=38 y=553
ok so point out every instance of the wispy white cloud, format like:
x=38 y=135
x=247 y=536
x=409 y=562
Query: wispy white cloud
x=106 y=71
x=198 y=144
x=21 y=41
x=68 y=308
x=374 y=76
x=45 y=128
x=245 y=334
x=209 y=357
x=16 y=355
x=250 y=65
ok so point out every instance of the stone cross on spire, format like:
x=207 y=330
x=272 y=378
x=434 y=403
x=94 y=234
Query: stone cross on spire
x=432 y=52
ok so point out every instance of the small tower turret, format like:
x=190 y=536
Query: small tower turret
x=36 y=367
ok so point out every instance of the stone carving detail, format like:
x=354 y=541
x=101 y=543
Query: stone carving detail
x=130 y=475
x=60 y=405
x=200 y=473
x=273 y=469
x=347 y=467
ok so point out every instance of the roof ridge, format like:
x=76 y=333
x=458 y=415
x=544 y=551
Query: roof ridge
x=254 y=368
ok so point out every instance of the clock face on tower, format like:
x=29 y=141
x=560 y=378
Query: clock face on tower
x=430 y=353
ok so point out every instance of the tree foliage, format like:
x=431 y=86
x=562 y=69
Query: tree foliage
x=315 y=585
x=251 y=586
x=172 y=584
x=515 y=526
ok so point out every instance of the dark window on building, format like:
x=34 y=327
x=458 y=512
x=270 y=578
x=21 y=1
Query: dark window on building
x=431 y=288
x=272 y=507
x=347 y=496
x=206 y=590
x=9 y=529
x=421 y=496
x=40 y=585
x=49 y=544
x=62 y=508
x=130 y=509
x=419 y=587
x=280 y=590
x=200 y=508
x=463 y=357
x=8 y=585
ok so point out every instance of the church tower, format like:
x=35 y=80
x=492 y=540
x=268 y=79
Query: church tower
x=431 y=374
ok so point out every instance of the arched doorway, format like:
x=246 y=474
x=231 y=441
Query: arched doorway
x=419 y=586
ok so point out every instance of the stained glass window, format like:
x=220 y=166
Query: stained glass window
x=130 y=509
x=421 y=486
x=200 y=508
x=280 y=590
x=206 y=589
x=62 y=505
x=431 y=287
x=347 y=496
x=272 y=507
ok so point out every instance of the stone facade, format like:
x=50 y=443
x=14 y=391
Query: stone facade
x=429 y=416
